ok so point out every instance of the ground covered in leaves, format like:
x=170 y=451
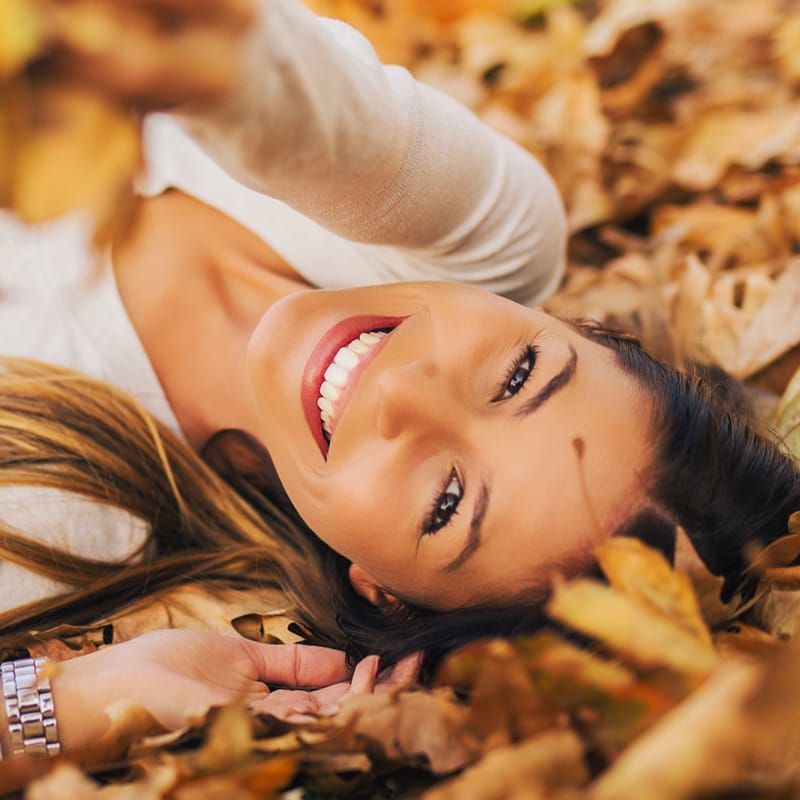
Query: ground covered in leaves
x=673 y=130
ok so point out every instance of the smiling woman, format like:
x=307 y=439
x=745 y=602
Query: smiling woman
x=330 y=291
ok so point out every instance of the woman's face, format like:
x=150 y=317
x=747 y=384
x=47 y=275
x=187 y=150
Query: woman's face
x=476 y=446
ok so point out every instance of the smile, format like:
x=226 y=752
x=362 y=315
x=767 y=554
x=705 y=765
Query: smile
x=333 y=370
x=337 y=376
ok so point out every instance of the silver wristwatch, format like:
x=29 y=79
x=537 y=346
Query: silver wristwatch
x=29 y=708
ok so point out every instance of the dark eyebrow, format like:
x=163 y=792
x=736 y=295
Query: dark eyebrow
x=558 y=381
x=474 y=537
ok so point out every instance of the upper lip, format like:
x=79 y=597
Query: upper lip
x=340 y=335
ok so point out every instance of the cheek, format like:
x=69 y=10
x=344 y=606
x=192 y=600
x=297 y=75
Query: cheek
x=349 y=515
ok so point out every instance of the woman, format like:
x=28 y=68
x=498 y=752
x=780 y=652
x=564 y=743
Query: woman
x=452 y=449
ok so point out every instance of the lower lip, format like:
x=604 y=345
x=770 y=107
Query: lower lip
x=340 y=335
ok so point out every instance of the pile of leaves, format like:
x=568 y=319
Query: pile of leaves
x=672 y=129
x=651 y=704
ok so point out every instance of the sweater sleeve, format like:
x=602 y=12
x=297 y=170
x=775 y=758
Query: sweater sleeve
x=371 y=154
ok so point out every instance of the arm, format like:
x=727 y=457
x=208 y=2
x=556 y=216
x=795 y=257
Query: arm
x=172 y=676
x=316 y=121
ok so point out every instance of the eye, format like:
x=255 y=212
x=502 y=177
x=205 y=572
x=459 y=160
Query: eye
x=518 y=373
x=445 y=506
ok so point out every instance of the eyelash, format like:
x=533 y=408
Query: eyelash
x=453 y=487
x=526 y=359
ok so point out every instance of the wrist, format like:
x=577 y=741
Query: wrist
x=5 y=736
x=98 y=715
x=30 y=725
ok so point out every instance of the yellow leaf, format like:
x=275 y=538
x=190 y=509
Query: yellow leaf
x=787 y=417
x=631 y=628
x=742 y=724
x=644 y=574
x=505 y=707
x=78 y=150
x=537 y=768
x=614 y=704
x=228 y=741
x=23 y=32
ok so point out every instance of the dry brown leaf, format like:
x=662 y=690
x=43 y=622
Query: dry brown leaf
x=718 y=229
x=741 y=726
x=504 y=706
x=631 y=628
x=778 y=612
x=619 y=16
x=413 y=726
x=78 y=150
x=262 y=779
x=197 y=607
x=776 y=327
x=707 y=587
x=787 y=416
x=732 y=136
x=65 y=641
x=128 y=722
x=613 y=704
x=787 y=48
x=644 y=574
x=536 y=768
x=64 y=780
x=24 y=31
x=228 y=741
x=742 y=640
x=274 y=628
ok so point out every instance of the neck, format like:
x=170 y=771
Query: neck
x=195 y=284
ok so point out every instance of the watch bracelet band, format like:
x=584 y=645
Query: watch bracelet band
x=29 y=707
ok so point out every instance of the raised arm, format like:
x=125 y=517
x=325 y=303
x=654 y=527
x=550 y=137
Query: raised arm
x=376 y=157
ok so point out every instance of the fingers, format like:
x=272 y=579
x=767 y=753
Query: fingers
x=296 y=664
x=287 y=704
x=403 y=674
x=364 y=675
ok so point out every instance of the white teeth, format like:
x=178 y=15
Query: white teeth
x=346 y=358
x=330 y=391
x=326 y=406
x=338 y=372
x=337 y=375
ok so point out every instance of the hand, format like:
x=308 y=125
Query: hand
x=301 y=706
x=177 y=675
x=153 y=53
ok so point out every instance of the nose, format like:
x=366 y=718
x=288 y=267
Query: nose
x=412 y=398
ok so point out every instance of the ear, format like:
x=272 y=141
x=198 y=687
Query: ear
x=365 y=585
